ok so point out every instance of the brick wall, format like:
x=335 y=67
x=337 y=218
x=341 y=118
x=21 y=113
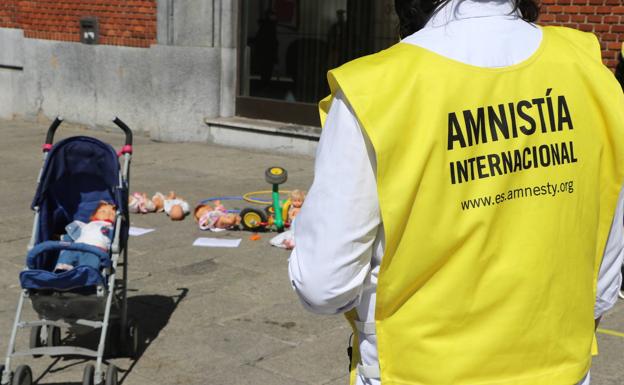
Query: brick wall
x=121 y=22
x=605 y=18
x=7 y=13
x=133 y=22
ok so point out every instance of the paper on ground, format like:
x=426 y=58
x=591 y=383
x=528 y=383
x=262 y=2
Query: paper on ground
x=138 y=231
x=216 y=242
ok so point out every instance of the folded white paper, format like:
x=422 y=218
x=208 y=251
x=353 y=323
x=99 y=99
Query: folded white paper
x=138 y=231
x=217 y=242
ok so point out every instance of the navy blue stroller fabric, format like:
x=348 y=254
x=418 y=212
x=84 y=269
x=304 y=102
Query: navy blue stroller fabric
x=38 y=251
x=76 y=278
x=79 y=173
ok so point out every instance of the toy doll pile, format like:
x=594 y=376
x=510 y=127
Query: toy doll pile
x=172 y=205
x=213 y=216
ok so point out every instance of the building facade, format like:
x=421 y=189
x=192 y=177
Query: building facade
x=186 y=69
x=162 y=66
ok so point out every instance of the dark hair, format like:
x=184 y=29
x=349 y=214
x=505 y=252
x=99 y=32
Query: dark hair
x=619 y=70
x=414 y=14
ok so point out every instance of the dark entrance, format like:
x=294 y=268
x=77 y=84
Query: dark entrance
x=287 y=47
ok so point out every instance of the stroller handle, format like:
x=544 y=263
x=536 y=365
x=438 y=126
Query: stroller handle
x=59 y=119
x=125 y=129
x=51 y=130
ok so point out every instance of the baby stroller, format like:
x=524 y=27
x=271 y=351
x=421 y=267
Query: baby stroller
x=78 y=173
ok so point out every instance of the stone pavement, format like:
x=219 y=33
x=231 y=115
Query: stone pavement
x=210 y=316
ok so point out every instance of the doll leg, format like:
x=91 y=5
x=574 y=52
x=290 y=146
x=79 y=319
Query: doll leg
x=88 y=259
x=66 y=261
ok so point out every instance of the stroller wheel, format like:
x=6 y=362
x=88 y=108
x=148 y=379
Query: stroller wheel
x=54 y=336
x=111 y=375
x=87 y=375
x=133 y=340
x=22 y=376
x=35 y=339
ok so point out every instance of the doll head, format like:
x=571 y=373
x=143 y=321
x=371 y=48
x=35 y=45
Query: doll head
x=201 y=210
x=176 y=213
x=296 y=198
x=103 y=212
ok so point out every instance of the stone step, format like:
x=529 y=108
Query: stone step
x=265 y=135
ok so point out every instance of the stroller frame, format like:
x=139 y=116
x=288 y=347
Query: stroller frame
x=115 y=291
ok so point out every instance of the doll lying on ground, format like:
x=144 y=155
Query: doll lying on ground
x=215 y=218
x=286 y=240
x=139 y=204
x=98 y=232
x=174 y=206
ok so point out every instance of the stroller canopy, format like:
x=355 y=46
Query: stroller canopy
x=79 y=169
x=79 y=173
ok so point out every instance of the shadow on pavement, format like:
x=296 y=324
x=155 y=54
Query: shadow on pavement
x=150 y=312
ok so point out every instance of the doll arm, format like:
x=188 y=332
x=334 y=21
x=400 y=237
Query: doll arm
x=331 y=262
x=74 y=229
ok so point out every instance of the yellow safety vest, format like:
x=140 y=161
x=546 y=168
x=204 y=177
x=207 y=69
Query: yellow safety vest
x=497 y=188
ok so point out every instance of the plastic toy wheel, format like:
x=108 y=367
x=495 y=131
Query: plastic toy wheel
x=35 y=339
x=22 y=376
x=87 y=375
x=111 y=375
x=275 y=175
x=252 y=218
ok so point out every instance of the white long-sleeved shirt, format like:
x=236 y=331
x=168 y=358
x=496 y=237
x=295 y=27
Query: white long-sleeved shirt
x=336 y=261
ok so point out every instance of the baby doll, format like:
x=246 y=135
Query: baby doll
x=215 y=219
x=285 y=240
x=200 y=210
x=177 y=208
x=296 y=201
x=139 y=204
x=159 y=200
x=98 y=232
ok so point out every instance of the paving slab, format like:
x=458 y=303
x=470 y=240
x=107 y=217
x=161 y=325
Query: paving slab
x=209 y=316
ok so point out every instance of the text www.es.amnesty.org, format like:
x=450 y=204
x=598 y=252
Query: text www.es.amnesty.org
x=548 y=189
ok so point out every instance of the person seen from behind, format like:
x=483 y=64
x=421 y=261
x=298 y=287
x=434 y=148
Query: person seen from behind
x=474 y=174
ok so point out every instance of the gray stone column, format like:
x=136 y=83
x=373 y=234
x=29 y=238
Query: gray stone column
x=229 y=61
x=11 y=73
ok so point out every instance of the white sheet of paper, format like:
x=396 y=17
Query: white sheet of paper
x=138 y=231
x=217 y=242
